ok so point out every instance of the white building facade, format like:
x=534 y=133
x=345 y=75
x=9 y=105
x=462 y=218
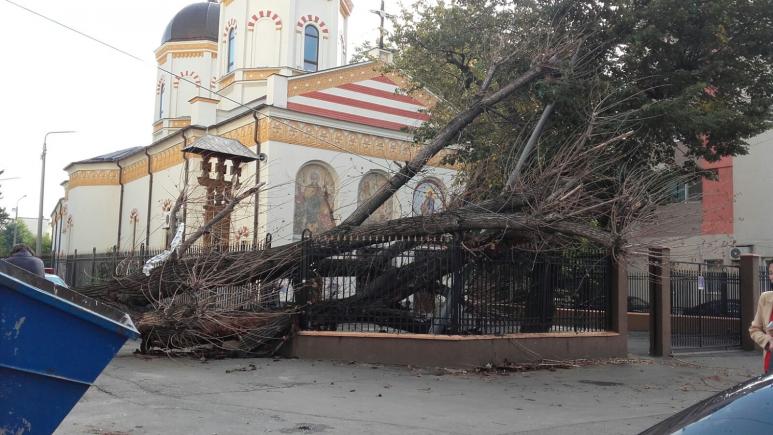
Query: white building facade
x=270 y=74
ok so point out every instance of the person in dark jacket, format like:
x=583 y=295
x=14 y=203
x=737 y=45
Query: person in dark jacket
x=21 y=256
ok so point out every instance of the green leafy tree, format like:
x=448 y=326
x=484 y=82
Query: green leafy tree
x=23 y=235
x=3 y=213
x=698 y=73
x=649 y=78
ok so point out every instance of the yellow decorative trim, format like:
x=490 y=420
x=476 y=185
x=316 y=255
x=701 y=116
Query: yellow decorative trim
x=167 y=158
x=226 y=2
x=187 y=54
x=329 y=138
x=158 y=125
x=227 y=80
x=178 y=49
x=259 y=74
x=246 y=134
x=324 y=80
x=135 y=171
x=179 y=123
x=98 y=177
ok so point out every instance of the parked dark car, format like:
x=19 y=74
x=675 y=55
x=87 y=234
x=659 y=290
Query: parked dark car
x=637 y=305
x=715 y=308
x=746 y=408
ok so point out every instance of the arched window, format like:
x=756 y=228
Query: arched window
x=311 y=49
x=231 y=50
x=161 y=101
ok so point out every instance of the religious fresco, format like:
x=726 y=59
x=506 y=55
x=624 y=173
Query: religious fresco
x=314 y=199
x=369 y=185
x=428 y=198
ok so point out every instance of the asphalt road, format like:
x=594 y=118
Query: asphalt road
x=161 y=395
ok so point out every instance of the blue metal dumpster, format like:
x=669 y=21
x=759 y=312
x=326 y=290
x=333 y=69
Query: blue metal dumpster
x=53 y=344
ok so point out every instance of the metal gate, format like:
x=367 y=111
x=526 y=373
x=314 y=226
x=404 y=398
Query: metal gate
x=705 y=306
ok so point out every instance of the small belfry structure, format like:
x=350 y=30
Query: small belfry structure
x=221 y=168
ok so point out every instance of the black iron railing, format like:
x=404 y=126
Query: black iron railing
x=85 y=268
x=638 y=292
x=705 y=306
x=437 y=286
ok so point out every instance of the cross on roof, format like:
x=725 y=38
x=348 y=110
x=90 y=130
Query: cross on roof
x=381 y=30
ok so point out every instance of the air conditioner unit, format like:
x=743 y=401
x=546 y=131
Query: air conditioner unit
x=736 y=251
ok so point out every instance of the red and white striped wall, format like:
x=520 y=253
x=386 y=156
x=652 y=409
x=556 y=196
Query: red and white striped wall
x=370 y=102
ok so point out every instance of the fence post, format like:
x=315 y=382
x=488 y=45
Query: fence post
x=660 y=301
x=302 y=297
x=93 y=263
x=749 y=292
x=76 y=270
x=113 y=271
x=619 y=302
x=457 y=283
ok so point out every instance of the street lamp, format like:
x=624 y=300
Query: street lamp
x=39 y=241
x=16 y=220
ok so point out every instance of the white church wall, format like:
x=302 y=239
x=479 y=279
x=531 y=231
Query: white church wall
x=135 y=198
x=166 y=187
x=94 y=211
x=181 y=74
x=285 y=162
x=264 y=44
x=194 y=75
x=343 y=38
x=257 y=45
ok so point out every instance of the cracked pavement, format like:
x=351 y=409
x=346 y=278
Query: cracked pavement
x=159 y=395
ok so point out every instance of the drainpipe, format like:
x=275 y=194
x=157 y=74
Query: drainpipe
x=187 y=168
x=59 y=237
x=255 y=220
x=150 y=202
x=54 y=241
x=120 y=205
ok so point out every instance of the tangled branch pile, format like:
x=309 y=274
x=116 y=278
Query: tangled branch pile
x=564 y=117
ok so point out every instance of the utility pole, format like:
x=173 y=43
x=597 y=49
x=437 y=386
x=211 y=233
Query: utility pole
x=39 y=241
x=16 y=220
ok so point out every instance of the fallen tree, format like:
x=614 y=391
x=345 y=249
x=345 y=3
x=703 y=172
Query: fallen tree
x=560 y=138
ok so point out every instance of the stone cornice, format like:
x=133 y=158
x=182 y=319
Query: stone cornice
x=330 y=138
x=97 y=177
x=185 y=49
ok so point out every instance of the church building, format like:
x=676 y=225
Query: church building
x=249 y=92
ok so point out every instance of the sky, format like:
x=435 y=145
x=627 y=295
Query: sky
x=55 y=79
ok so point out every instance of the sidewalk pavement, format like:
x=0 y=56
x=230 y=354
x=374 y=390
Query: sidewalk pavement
x=160 y=395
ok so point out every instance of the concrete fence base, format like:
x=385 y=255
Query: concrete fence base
x=455 y=351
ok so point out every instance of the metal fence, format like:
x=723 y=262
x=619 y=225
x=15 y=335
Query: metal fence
x=705 y=306
x=638 y=292
x=85 y=268
x=430 y=286
x=437 y=286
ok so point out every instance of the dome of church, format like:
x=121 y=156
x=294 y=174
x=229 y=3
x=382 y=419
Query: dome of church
x=194 y=22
